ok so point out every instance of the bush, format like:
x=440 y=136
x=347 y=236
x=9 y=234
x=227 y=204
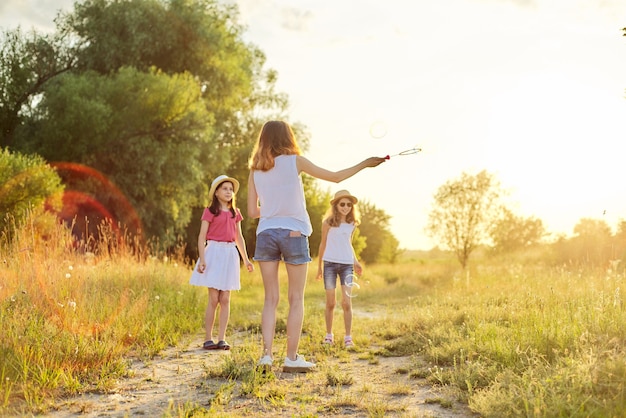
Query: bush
x=26 y=182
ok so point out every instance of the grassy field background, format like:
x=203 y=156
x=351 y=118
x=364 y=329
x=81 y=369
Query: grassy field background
x=510 y=337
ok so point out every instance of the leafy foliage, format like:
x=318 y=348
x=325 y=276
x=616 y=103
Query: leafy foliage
x=463 y=210
x=27 y=62
x=511 y=232
x=381 y=245
x=162 y=97
x=148 y=131
x=26 y=182
x=593 y=244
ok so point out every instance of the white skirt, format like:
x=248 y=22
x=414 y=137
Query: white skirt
x=222 y=270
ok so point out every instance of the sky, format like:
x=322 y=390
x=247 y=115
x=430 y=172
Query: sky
x=533 y=91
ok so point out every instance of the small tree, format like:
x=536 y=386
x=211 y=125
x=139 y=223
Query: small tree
x=380 y=245
x=462 y=213
x=511 y=232
x=26 y=182
x=593 y=242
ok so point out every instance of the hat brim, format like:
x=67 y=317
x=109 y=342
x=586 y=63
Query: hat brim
x=223 y=180
x=353 y=199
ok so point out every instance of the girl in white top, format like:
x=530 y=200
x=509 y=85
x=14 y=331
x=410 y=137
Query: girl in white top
x=276 y=196
x=337 y=254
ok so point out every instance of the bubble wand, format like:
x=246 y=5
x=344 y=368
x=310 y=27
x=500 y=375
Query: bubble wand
x=411 y=151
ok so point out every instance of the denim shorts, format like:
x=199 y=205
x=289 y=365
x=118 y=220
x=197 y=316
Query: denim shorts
x=332 y=270
x=276 y=244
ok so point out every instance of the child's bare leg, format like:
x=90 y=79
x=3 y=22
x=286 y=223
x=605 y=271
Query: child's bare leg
x=209 y=314
x=224 y=302
x=331 y=301
x=346 y=304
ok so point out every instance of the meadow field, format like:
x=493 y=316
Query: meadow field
x=510 y=337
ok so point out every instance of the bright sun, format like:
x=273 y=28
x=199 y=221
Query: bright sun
x=555 y=140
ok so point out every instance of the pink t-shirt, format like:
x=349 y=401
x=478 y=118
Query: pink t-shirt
x=222 y=227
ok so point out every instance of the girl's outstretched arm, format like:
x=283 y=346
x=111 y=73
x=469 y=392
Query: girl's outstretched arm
x=306 y=166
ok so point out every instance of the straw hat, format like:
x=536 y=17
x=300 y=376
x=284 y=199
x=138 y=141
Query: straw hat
x=344 y=194
x=221 y=179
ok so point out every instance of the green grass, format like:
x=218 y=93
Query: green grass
x=508 y=340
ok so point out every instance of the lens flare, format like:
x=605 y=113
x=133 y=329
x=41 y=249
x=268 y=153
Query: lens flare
x=90 y=195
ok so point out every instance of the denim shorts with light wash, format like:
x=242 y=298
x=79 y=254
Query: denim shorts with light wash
x=278 y=244
x=332 y=270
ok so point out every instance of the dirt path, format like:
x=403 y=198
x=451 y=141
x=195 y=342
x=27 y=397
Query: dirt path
x=178 y=377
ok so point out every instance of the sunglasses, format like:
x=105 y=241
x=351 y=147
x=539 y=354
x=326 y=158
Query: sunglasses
x=343 y=204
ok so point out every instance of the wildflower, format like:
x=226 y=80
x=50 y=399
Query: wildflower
x=71 y=267
x=67 y=275
x=71 y=304
x=157 y=297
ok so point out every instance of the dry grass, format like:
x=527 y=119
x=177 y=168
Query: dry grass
x=509 y=339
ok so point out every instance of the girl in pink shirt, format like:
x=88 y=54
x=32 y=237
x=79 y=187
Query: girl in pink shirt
x=218 y=265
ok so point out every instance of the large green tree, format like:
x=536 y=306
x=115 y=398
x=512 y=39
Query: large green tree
x=160 y=96
x=147 y=131
x=463 y=211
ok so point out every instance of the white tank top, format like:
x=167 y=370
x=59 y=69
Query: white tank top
x=339 y=244
x=281 y=196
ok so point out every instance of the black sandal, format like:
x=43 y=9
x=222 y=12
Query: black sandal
x=223 y=345
x=209 y=345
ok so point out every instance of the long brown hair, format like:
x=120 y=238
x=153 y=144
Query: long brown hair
x=216 y=206
x=276 y=138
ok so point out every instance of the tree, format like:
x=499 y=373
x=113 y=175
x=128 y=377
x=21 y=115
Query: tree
x=462 y=212
x=593 y=242
x=26 y=182
x=620 y=242
x=152 y=150
x=380 y=244
x=27 y=62
x=160 y=97
x=510 y=233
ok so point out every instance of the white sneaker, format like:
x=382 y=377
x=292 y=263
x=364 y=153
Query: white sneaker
x=265 y=363
x=299 y=365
